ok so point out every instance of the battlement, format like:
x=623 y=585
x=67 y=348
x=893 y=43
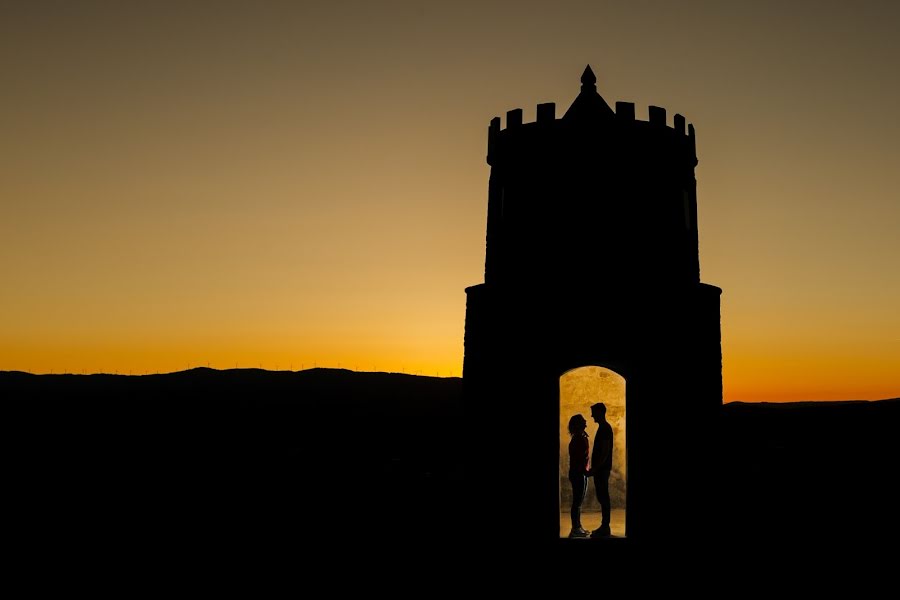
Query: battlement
x=624 y=115
x=625 y=112
x=590 y=116
x=654 y=133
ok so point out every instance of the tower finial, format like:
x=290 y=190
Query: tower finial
x=589 y=104
x=588 y=79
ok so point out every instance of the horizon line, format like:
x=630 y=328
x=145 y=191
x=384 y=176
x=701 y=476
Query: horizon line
x=417 y=373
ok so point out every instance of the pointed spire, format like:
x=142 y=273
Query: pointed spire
x=589 y=104
x=588 y=81
x=588 y=78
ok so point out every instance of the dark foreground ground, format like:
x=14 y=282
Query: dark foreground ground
x=342 y=464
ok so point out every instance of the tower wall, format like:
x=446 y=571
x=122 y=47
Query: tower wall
x=591 y=259
x=565 y=194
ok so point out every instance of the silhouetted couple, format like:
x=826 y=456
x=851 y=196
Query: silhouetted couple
x=600 y=466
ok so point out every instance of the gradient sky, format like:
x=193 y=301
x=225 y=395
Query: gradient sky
x=287 y=184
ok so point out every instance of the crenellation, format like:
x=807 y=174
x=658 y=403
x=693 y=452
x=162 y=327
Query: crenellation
x=625 y=111
x=657 y=116
x=493 y=133
x=546 y=112
x=514 y=118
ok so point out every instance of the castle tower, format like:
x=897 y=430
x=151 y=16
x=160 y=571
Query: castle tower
x=592 y=260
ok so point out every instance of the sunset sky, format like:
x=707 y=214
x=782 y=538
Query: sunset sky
x=283 y=184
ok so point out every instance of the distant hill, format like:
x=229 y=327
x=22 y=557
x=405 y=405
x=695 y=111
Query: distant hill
x=247 y=455
x=244 y=457
x=238 y=412
x=813 y=473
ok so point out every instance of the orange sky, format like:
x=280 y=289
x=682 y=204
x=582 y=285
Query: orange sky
x=297 y=185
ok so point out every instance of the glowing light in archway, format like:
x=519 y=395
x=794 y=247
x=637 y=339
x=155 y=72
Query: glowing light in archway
x=578 y=390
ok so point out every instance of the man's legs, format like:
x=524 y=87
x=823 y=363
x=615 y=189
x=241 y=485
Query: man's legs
x=601 y=485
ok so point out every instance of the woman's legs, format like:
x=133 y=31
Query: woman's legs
x=579 y=487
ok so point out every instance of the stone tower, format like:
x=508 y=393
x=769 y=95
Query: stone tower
x=591 y=260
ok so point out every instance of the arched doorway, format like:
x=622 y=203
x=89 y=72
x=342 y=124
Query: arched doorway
x=578 y=390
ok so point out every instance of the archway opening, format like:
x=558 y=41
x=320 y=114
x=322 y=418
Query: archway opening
x=579 y=389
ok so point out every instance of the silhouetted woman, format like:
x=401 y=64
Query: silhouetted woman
x=578 y=462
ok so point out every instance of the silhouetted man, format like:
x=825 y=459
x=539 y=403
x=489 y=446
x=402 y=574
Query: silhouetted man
x=601 y=465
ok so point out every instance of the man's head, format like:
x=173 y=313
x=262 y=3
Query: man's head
x=598 y=412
